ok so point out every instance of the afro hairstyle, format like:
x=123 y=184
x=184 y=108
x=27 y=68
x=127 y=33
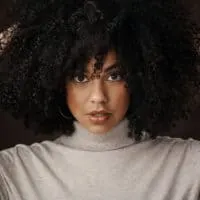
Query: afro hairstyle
x=154 y=41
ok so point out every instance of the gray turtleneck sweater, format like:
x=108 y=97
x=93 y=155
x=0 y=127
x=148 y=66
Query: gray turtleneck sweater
x=107 y=167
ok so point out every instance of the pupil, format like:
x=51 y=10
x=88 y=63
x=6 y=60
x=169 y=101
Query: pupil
x=114 y=76
x=80 y=78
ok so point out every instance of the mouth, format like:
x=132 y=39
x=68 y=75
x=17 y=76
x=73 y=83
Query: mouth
x=99 y=117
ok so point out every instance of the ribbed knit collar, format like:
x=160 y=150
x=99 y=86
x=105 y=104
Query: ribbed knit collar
x=82 y=139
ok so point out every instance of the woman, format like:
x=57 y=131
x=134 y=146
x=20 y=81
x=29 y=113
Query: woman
x=105 y=75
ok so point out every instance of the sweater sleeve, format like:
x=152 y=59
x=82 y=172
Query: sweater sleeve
x=3 y=189
x=6 y=161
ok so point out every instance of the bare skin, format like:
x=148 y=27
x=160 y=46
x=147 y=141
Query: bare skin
x=105 y=95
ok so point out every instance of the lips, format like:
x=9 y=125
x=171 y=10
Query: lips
x=101 y=112
x=99 y=117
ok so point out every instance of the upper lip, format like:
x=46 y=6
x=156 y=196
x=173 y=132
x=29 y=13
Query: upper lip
x=95 y=112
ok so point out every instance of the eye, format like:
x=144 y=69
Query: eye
x=80 y=79
x=115 y=77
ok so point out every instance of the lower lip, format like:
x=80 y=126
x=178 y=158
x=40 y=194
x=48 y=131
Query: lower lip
x=99 y=119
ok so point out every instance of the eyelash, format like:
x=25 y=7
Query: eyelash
x=119 y=77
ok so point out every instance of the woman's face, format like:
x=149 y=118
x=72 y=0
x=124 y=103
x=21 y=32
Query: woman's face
x=98 y=101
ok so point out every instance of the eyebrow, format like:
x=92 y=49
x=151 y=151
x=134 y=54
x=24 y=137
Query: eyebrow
x=112 y=67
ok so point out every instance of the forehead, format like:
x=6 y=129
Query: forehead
x=109 y=60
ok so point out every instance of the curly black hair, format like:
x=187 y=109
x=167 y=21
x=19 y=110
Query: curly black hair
x=154 y=40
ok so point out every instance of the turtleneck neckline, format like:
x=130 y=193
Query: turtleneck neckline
x=82 y=139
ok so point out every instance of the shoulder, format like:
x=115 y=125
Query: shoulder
x=190 y=144
x=23 y=155
x=22 y=162
x=26 y=163
x=187 y=150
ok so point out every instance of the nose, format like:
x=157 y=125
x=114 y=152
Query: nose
x=98 y=92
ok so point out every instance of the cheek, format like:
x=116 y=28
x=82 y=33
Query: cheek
x=74 y=98
x=120 y=97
